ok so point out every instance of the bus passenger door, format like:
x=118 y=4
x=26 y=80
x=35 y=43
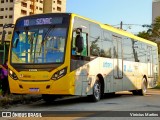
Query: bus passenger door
x=150 y=62
x=118 y=63
x=80 y=59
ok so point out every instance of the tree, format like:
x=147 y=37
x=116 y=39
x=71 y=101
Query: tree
x=156 y=28
x=144 y=35
x=153 y=33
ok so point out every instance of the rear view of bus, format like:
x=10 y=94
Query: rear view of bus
x=37 y=55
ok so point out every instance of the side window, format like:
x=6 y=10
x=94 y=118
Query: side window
x=107 y=44
x=154 y=51
x=115 y=47
x=143 y=52
x=129 y=50
x=83 y=48
x=135 y=46
x=95 y=40
x=73 y=43
x=139 y=51
x=155 y=59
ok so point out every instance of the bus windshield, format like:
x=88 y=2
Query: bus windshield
x=38 y=45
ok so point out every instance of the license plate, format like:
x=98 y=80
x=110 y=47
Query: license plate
x=34 y=89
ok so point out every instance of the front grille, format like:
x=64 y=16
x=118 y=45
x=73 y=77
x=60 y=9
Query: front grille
x=34 y=80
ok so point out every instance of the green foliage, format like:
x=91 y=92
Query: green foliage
x=156 y=28
x=153 y=32
x=156 y=31
x=4 y=49
x=144 y=35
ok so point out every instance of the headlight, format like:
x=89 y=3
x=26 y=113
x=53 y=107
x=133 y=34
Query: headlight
x=59 y=74
x=12 y=75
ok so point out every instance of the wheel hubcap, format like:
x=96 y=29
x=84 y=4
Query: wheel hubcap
x=144 y=88
x=97 y=91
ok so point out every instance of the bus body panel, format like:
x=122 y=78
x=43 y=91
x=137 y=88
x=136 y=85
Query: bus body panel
x=119 y=73
x=63 y=86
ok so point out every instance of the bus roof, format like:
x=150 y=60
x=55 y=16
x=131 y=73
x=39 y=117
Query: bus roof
x=104 y=26
x=44 y=14
x=118 y=31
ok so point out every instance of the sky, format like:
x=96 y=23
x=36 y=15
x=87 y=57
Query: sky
x=112 y=12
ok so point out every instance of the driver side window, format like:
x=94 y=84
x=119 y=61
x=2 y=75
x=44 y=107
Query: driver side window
x=75 y=43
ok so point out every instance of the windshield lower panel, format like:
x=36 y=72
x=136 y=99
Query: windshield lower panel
x=39 y=45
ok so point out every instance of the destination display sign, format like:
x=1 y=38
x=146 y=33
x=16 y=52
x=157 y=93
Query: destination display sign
x=39 y=21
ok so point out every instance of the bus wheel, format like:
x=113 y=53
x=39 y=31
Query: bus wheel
x=96 y=92
x=144 y=87
x=48 y=98
x=134 y=92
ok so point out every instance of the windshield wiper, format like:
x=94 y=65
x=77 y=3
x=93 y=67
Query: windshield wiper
x=45 y=37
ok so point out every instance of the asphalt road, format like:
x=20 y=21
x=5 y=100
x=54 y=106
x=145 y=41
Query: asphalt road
x=123 y=106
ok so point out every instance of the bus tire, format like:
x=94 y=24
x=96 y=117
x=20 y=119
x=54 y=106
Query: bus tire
x=48 y=98
x=134 y=92
x=96 y=96
x=143 y=91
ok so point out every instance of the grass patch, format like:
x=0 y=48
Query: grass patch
x=0 y=91
x=11 y=99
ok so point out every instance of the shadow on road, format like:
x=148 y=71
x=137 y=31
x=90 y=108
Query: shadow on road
x=77 y=100
x=85 y=100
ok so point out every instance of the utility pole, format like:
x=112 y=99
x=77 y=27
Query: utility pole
x=121 y=24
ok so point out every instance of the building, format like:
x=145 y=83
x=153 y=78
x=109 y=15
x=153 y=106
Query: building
x=10 y=10
x=155 y=9
x=54 y=6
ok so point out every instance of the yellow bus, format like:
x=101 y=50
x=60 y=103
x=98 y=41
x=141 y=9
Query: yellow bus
x=63 y=54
